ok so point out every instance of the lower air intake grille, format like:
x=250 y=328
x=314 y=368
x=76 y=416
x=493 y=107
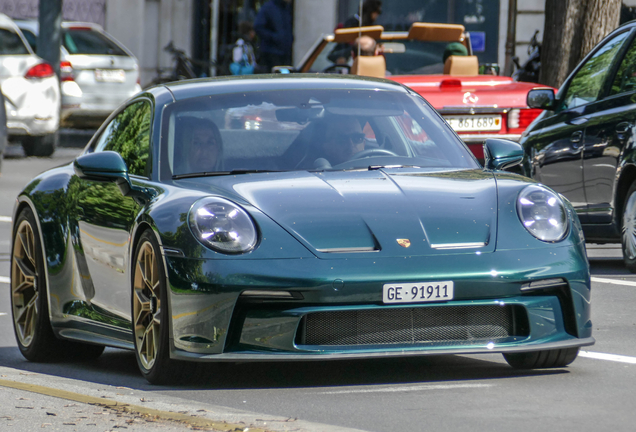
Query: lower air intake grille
x=446 y=324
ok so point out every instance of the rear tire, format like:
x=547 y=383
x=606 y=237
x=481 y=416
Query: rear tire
x=29 y=305
x=542 y=359
x=42 y=146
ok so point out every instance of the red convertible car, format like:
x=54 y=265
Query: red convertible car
x=477 y=106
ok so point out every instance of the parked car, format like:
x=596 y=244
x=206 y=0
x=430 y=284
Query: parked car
x=476 y=103
x=582 y=146
x=179 y=239
x=31 y=93
x=97 y=72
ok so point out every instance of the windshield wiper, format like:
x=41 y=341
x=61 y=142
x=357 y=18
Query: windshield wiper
x=377 y=167
x=221 y=173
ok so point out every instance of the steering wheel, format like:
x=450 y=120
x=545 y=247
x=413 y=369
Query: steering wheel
x=373 y=152
x=334 y=67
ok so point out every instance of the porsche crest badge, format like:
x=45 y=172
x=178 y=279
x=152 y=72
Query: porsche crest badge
x=404 y=242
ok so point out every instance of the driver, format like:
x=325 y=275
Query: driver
x=343 y=140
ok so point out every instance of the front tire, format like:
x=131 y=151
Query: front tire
x=628 y=229
x=150 y=318
x=542 y=359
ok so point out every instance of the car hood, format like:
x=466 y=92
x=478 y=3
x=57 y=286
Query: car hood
x=388 y=212
x=450 y=93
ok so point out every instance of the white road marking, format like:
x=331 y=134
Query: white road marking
x=614 y=281
x=4 y=279
x=409 y=388
x=5 y=219
x=609 y=357
x=2 y=313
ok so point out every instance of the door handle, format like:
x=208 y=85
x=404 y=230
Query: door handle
x=576 y=137
x=579 y=120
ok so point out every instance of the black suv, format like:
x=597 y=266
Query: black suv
x=584 y=144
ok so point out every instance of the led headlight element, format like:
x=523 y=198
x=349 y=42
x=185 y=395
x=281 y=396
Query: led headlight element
x=223 y=226
x=542 y=213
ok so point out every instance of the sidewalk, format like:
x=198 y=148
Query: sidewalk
x=33 y=401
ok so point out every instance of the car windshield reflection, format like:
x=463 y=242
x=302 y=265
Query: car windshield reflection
x=313 y=130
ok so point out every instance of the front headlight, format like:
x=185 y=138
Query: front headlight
x=223 y=226
x=542 y=213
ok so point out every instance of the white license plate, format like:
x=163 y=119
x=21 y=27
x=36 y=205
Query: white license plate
x=474 y=122
x=110 y=75
x=417 y=292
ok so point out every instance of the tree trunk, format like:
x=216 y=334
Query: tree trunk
x=572 y=28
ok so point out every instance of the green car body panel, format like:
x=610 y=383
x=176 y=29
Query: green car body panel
x=328 y=242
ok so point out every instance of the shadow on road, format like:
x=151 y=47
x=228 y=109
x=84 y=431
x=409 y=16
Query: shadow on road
x=119 y=368
x=608 y=266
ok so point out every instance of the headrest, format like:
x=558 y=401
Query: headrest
x=461 y=65
x=373 y=66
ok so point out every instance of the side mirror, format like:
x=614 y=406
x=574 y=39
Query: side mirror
x=501 y=154
x=109 y=166
x=101 y=166
x=542 y=98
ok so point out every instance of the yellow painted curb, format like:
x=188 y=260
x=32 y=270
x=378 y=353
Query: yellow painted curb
x=128 y=408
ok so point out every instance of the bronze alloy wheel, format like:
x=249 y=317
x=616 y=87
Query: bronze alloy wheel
x=24 y=291
x=147 y=305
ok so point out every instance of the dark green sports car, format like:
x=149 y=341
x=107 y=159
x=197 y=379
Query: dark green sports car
x=293 y=218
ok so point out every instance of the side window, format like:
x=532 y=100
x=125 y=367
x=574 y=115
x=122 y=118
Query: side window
x=625 y=80
x=588 y=81
x=129 y=135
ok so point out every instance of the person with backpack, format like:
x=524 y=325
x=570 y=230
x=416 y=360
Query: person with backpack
x=243 y=57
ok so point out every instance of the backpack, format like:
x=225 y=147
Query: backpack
x=243 y=59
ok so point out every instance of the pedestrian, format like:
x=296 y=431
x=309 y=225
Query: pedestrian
x=243 y=58
x=273 y=26
x=371 y=10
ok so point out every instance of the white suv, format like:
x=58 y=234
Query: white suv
x=31 y=91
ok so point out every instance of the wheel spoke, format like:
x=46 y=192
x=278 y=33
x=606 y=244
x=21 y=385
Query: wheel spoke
x=26 y=240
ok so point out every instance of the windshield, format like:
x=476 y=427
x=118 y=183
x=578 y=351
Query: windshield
x=307 y=130
x=11 y=44
x=87 y=41
x=404 y=57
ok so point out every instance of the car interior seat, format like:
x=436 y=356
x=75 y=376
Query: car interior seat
x=373 y=66
x=461 y=65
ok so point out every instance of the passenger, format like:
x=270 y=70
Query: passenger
x=367 y=46
x=452 y=49
x=202 y=142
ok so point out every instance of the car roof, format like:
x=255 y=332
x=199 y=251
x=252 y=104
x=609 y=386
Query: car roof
x=34 y=25
x=7 y=22
x=234 y=84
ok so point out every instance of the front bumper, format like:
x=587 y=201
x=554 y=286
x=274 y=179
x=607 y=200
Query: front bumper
x=213 y=318
x=474 y=138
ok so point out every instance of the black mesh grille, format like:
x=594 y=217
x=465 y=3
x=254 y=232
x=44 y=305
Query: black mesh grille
x=446 y=324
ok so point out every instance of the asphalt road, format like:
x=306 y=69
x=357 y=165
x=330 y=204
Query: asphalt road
x=456 y=393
